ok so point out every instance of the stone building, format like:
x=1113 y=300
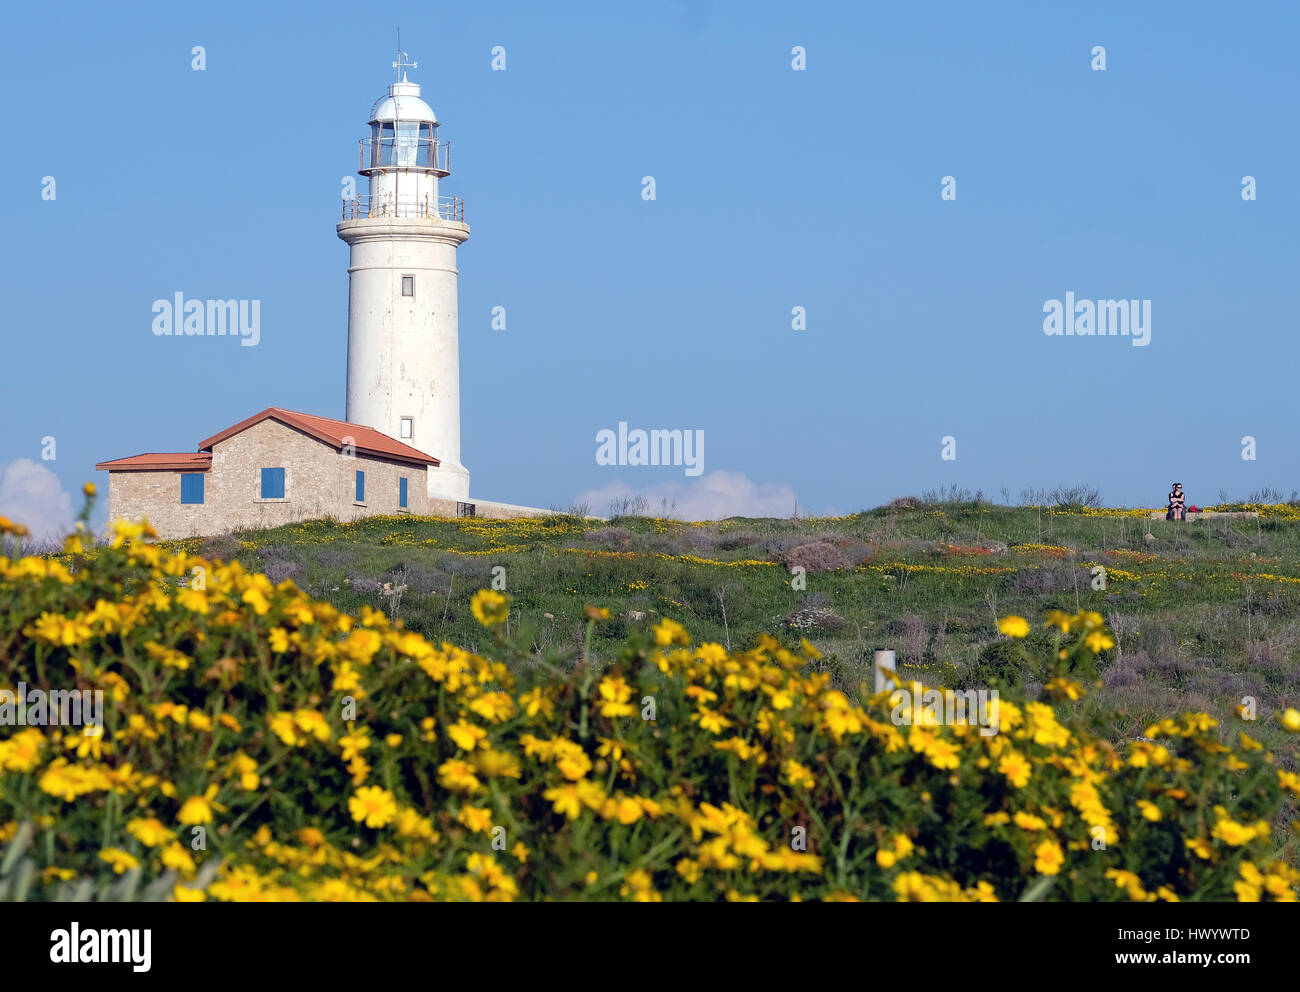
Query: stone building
x=276 y=467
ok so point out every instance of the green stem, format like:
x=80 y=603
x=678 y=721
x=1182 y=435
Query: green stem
x=247 y=813
x=505 y=809
x=849 y=813
x=110 y=814
x=645 y=859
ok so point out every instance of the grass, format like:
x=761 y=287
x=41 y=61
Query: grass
x=1205 y=614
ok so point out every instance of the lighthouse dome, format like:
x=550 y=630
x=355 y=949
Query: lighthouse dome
x=402 y=103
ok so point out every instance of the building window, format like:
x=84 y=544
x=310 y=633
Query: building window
x=408 y=285
x=361 y=486
x=191 y=487
x=401 y=493
x=408 y=427
x=272 y=483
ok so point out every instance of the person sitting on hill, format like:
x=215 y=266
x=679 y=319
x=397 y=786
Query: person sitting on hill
x=1177 y=502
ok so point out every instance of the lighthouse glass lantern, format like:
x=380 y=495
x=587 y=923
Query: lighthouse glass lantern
x=403 y=158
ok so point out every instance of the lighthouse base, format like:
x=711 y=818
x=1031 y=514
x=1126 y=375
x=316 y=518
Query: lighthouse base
x=487 y=508
x=449 y=481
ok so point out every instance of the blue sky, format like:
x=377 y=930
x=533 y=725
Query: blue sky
x=775 y=188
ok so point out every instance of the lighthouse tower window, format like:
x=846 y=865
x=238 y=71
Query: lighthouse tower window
x=408 y=425
x=408 y=285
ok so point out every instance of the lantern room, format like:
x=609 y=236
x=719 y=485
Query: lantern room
x=403 y=157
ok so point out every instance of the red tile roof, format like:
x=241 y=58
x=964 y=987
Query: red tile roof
x=193 y=461
x=366 y=440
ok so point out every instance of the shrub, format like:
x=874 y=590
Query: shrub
x=904 y=503
x=325 y=757
x=815 y=614
x=1000 y=665
x=614 y=537
x=819 y=556
x=278 y=569
x=735 y=540
x=223 y=546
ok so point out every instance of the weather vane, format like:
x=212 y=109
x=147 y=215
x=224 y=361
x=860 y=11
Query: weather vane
x=401 y=62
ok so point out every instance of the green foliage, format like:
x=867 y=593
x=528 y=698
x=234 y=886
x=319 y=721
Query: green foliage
x=229 y=709
x=949 y=564
x=20 y=880
x=1001 y=665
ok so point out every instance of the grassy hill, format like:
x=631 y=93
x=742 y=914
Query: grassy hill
x=324 y=759
x=1204 y=613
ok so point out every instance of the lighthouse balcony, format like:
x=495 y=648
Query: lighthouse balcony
x=390 y=152
x=448 y=208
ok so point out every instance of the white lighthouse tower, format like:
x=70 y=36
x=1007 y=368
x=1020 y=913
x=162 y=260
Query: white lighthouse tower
x=403 y=352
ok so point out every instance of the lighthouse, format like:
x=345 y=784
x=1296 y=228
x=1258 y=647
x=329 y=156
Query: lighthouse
x=403 y=352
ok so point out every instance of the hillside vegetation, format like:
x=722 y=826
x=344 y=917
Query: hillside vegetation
x=256 y=743
x=1204 y=614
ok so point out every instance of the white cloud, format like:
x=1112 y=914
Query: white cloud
x=30 y=494
x=710 y=497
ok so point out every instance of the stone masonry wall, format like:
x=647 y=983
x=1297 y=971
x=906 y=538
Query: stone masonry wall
x=318 y=482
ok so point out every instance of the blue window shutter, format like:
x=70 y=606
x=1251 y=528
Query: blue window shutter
x=401 y=493
x=192 y=487
x=272 y=483
x=361 y=486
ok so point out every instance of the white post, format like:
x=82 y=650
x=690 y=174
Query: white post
x=882 y=661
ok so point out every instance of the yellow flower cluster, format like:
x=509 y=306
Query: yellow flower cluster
x=903 y=568
x=661 y=556
x=1052 y=550
x=327 y=757
x=1267 y=511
